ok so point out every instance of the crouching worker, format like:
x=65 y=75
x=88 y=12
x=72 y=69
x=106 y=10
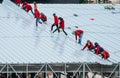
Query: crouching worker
x=29 y=8
x=24 y=5
x=78 y=33
x=89 y=45
x=43 y=18
x=105 y=54
x=98 y=49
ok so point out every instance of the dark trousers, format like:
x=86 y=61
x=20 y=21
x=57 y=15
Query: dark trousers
x=18 y=5
x=89 y=47
x=59 y=30
x=80 y=38
x=32 y=12
x=104 y=56
x=56 y=27
x=24 y=8
x=38 y=21
x=43 y=20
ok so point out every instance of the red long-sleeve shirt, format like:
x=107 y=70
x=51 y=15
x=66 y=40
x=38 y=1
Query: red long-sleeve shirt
x=44 y=16
x=17 y=1
x=62 y=24
x=55 y=20
x=24 y=5
x=106 y=54
x=77 y=33
x=99 y=49
x=90 y=44
x=28 y=7
x=37 y=14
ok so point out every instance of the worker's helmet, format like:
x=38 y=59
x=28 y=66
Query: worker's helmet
x=42 y=13
x=60 y=18
x=96 y=44
x=54 y=14
x=88 y=41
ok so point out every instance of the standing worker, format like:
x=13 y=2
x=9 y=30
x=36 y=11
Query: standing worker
x=55 y=22
x=37 y=16
x=61 y=26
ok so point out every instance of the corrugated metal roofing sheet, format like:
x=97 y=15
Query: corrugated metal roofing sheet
x=21 y=43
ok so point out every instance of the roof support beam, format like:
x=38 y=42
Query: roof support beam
x=53 y=71
x=113 y=70
x=26 y=70
x=14 y=71
x=76 y=70
x=101 y=71
x=119 y=71
x=2 y=68
x=65 y=71
x=83 y=70
x=39 y=71
x=46 y=71
x=88 y=68
x=7 y=71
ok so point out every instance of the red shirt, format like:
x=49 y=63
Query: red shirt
x=90 y=44
x=106 y=54
x=99 y=49
x=44 y=16
x=37 y=14
x=28 y=7
x=17 y=1
x=55 y=20
x=77 y=33
x=62 y=24
x=24 y=5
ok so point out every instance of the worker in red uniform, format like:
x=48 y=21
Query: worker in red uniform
x=61 y=26
x=37 y=16
x=17 y=2
x=55 y=22
x=89 y=45
x=105 y=54
x=78 y=33
x=24 y=5
x=98 y=48
x=29 y=8
x=43 y=18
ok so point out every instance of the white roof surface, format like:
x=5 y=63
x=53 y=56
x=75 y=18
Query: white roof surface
x=21 y=43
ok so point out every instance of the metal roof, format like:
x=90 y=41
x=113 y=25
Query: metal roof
x=20 y=42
